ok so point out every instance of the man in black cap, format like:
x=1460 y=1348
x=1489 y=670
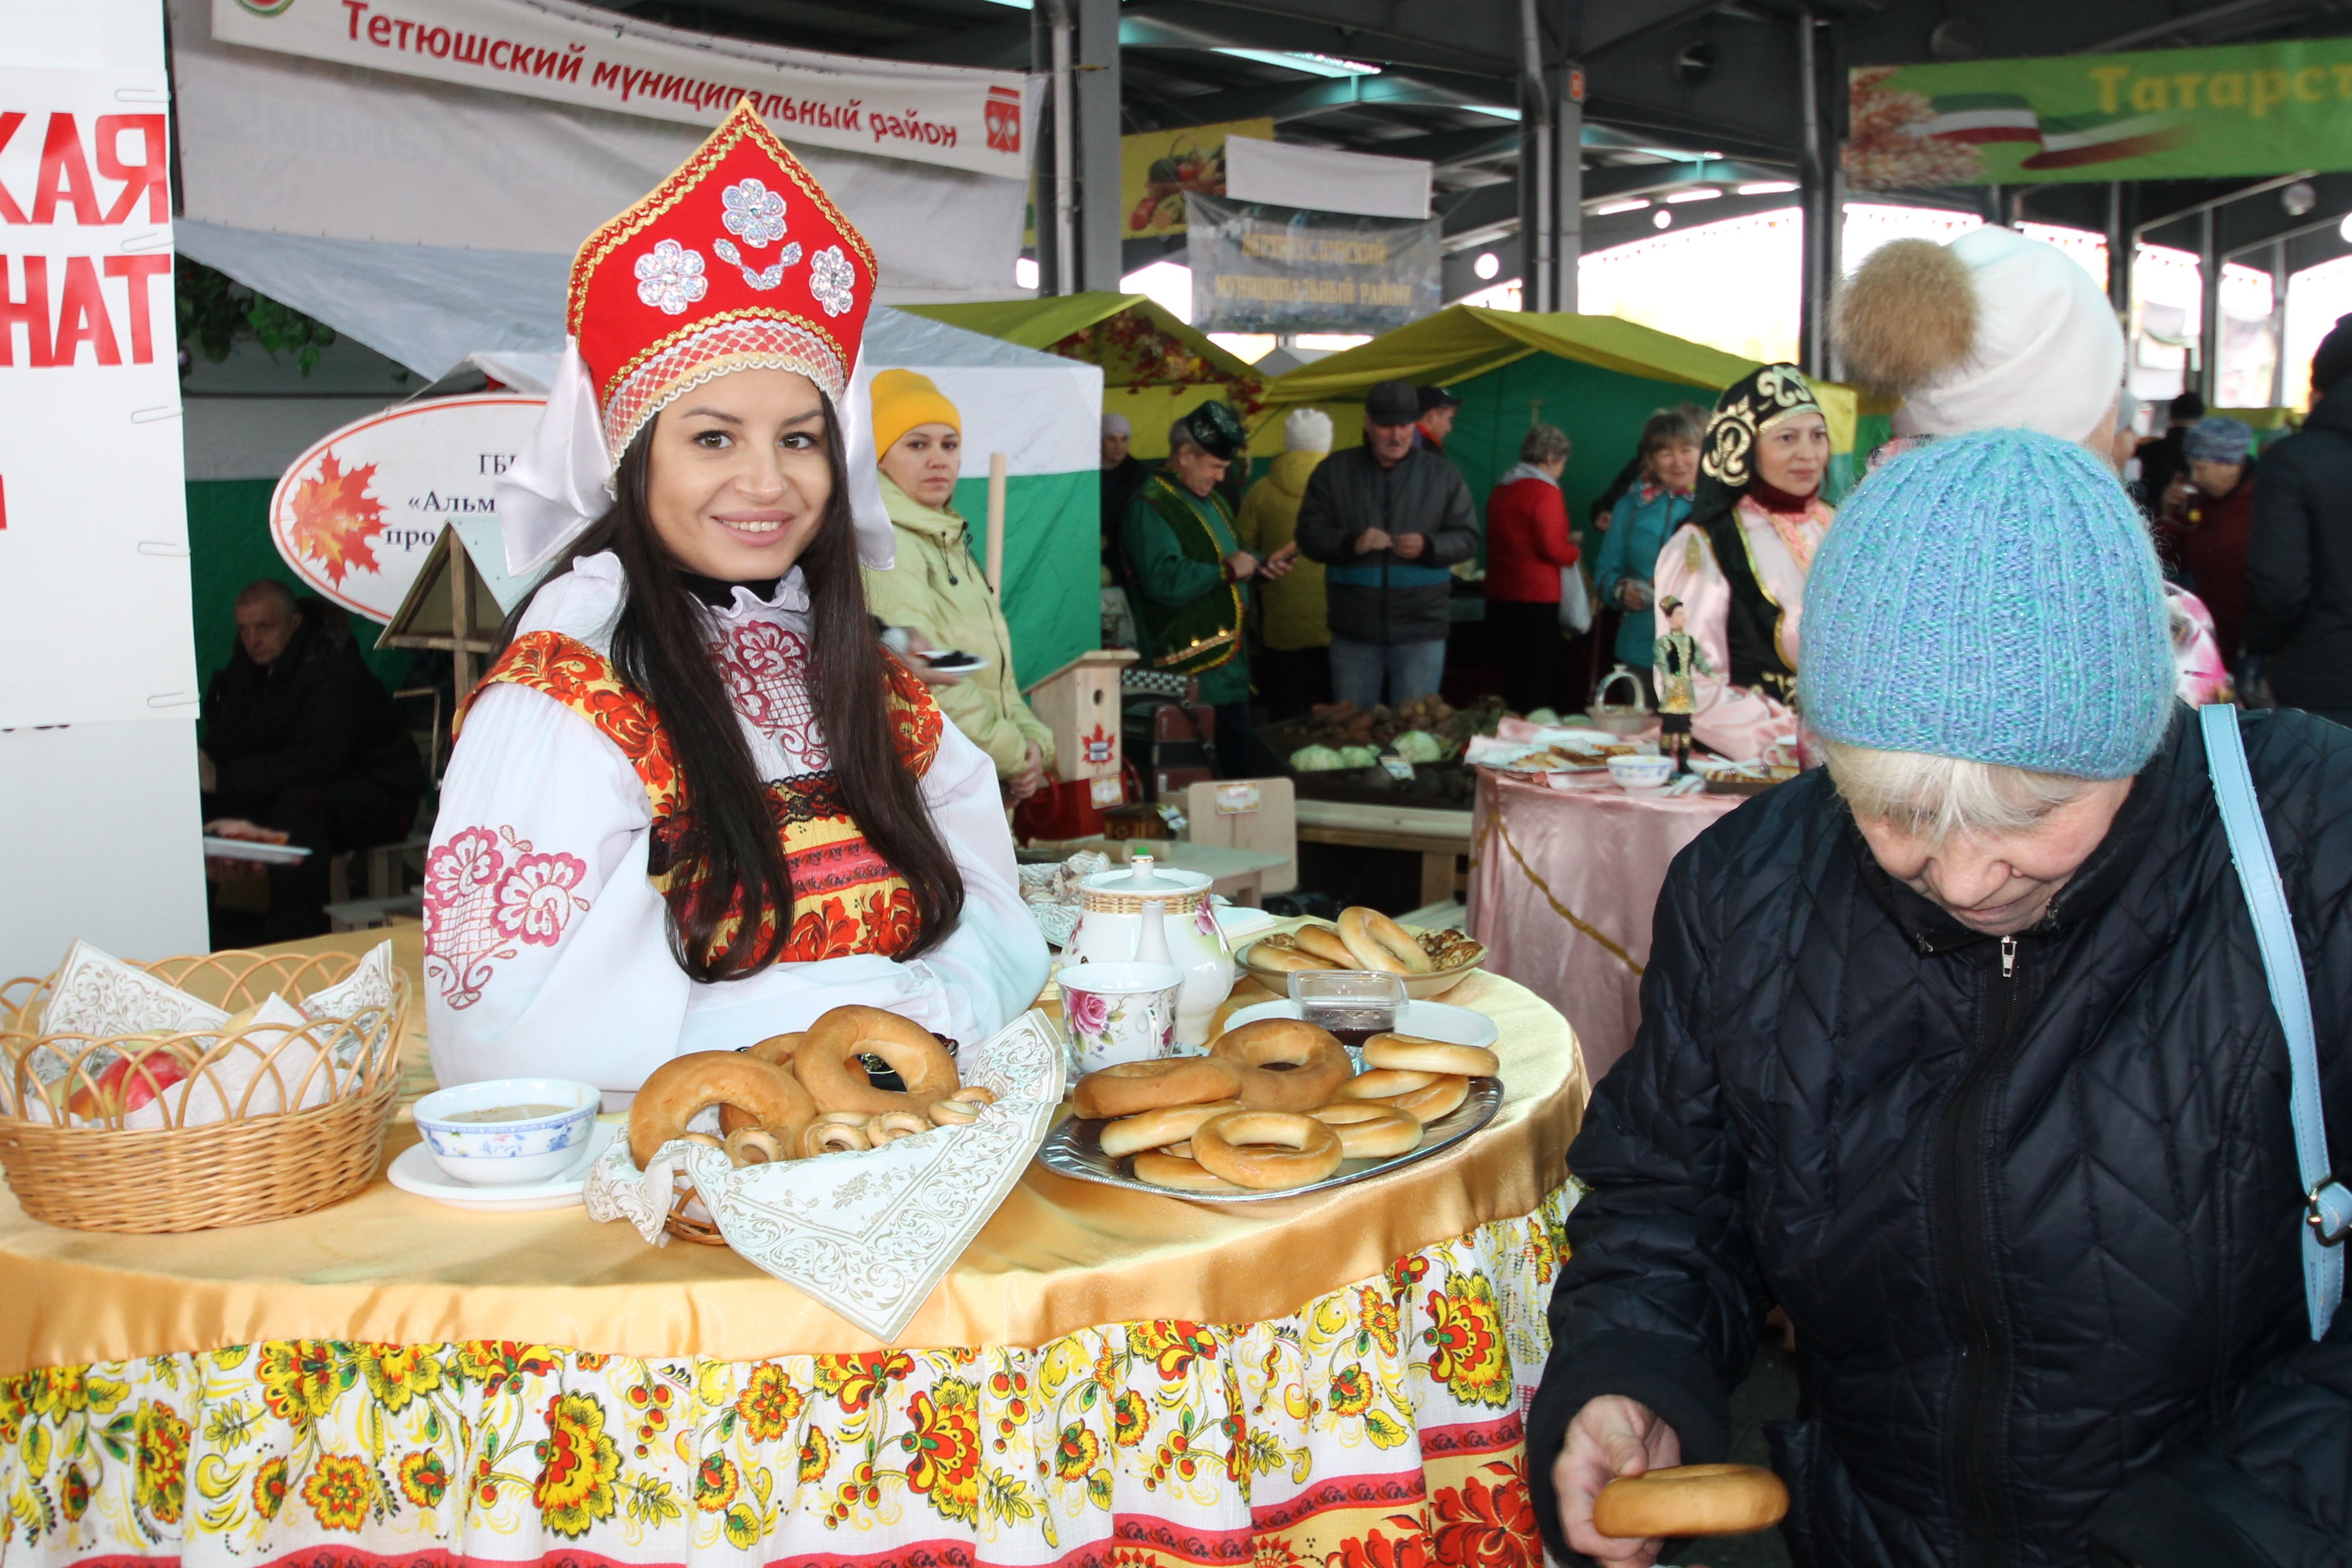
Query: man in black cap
x=2299 y=565
x=1188 y=576
x=1437 y=406
x=1390 y=519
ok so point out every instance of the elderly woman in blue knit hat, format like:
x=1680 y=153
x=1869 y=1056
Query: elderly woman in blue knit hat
x=1986 y=1054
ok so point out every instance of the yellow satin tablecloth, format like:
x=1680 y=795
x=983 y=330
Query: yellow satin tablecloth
x=1418 y=1299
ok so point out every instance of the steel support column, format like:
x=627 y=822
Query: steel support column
x=1819 y=276
x=2119 y=253
x=1096 y=102
x=1551 y=208
x=2208 y=324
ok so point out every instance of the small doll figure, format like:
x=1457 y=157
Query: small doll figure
x=1675 y=657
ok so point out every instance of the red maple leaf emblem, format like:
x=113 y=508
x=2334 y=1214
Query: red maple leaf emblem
x=335 y=518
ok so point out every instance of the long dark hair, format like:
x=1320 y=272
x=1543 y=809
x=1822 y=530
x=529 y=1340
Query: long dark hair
x=725 y=853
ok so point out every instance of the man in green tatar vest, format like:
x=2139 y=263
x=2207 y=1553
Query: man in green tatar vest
x=1189 y=576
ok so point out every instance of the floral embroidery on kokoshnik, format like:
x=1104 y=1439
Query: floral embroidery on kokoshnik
x=483 y=894
x=830 y=277
x=669 y=278
x=754 y=213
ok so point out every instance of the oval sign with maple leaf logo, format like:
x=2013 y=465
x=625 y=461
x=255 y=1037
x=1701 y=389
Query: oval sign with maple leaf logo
x=357 y=514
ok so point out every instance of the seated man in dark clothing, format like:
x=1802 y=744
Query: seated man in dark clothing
x=301 y=738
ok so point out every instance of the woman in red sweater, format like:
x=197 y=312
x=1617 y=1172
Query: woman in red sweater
x=1528 y=546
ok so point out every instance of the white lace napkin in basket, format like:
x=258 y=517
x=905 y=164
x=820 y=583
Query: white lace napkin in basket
x=868 y=1234
x=97 y=995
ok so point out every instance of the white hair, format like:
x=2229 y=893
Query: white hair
x=1307 y=430
x=1941 y=798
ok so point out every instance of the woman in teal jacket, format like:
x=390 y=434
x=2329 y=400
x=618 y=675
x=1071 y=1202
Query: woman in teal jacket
x=1640 y=525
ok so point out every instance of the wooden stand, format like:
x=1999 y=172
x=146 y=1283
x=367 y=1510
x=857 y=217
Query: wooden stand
x=1080 y=703
x=452 y=606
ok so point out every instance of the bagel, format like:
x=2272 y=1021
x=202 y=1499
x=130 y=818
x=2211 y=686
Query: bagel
x=834 y=1138
x=828 y=1066
x=1379 y=942
x=1322 y=941
x=975 y=1094
x=1178 y=1176
x=1317 y=1064
x=1691 y=1499
x=1266 y=1150
x=776 y=1050
x=1157 y=1129
x=1440 y=1098
x=1286 y=960
x=893 y=1125
x=954 y=1113
x=1371 y=1132
x=756 y=1146
x=1132 y=1087
x=681 y=1087
x=1381 y=1083
x=1412 y=1053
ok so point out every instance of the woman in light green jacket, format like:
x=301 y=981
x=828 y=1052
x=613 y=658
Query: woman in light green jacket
x=936 y=590
x=1294 y=669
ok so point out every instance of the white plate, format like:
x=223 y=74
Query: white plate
x=1430 y=1020
x=414 y=1172
x=255 y=849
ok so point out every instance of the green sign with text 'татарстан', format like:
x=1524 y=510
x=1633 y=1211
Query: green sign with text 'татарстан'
x=2163 y=114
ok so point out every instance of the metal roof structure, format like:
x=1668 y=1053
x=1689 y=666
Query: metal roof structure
x=1677 y=99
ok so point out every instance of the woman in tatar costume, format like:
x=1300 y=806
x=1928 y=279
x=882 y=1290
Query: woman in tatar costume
x=694 y=802
x=1740 y=561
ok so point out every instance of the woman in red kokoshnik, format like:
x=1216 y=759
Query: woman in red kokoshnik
x=695 y=803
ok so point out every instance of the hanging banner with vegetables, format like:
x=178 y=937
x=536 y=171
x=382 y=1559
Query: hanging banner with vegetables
x=1157 y=168
x=2163 y=114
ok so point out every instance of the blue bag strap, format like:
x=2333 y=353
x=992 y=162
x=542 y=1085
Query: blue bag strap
x=2327 y=1214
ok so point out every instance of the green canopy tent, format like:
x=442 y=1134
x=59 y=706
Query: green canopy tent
x=1154 y=367
x=1596 y=377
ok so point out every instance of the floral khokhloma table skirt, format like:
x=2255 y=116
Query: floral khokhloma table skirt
x=1378 y=1427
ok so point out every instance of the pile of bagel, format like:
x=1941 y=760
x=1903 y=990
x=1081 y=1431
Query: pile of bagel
x=1274 y=1105
x=795 y=1097
x=1364 y=939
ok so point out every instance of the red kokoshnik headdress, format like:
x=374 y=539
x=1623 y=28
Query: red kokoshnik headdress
x=738 y=261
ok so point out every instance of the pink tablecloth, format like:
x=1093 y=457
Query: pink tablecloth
x=1563 y=883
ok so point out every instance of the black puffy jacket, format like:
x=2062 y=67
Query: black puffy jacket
x=1379 y=596
x=2299 y=564
x=2033 y=1209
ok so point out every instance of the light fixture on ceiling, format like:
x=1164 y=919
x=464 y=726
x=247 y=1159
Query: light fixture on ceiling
x=1664 y=220
x=1610 y=209
x=1769 y=188
x=1706 y=193
x=1313 y=65
x=1497 y=109
x=2299 y=198
x=2344 y=228
x=1024 y=273
x=1695 y=63
x=1486 y=266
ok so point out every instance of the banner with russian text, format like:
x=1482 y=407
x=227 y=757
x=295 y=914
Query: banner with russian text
x=2163 y=114
x=948 y=115
x=93 y=522
x=1259 y=268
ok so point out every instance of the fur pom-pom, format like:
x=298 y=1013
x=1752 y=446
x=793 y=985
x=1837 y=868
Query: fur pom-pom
x=1906 y=318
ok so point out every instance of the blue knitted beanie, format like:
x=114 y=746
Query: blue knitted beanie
x=1994 y=597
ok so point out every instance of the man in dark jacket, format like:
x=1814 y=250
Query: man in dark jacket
x=1961 y=1053
x=1390 y=520
x=2299 y=567
x=300 y=738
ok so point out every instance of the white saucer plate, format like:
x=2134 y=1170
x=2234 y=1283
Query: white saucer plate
x=1430 y=1020
x=413 y=1171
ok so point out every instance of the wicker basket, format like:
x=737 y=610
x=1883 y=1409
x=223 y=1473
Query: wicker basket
x=240 y=1170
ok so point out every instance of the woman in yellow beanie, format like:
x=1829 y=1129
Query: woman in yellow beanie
x=936 y=589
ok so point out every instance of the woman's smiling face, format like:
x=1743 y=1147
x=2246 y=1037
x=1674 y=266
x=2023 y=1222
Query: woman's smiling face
x=738 y=477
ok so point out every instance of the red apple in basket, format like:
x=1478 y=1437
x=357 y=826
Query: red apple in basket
x=133 y=1081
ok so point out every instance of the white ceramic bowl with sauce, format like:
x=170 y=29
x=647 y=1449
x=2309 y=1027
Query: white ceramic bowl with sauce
x=1638 y=773
x=508 y=1131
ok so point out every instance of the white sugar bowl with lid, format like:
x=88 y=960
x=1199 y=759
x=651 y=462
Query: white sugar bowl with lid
x=1142 y=913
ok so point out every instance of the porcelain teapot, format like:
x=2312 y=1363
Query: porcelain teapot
x=1141 y=913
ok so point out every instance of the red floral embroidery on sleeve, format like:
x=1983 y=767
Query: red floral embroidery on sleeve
x=483 y=892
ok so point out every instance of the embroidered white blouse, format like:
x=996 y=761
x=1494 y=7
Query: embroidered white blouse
x=1738 y=720
x=547 y=950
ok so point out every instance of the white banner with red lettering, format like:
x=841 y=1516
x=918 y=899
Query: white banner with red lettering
x=94 y=612
x=950 y=115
